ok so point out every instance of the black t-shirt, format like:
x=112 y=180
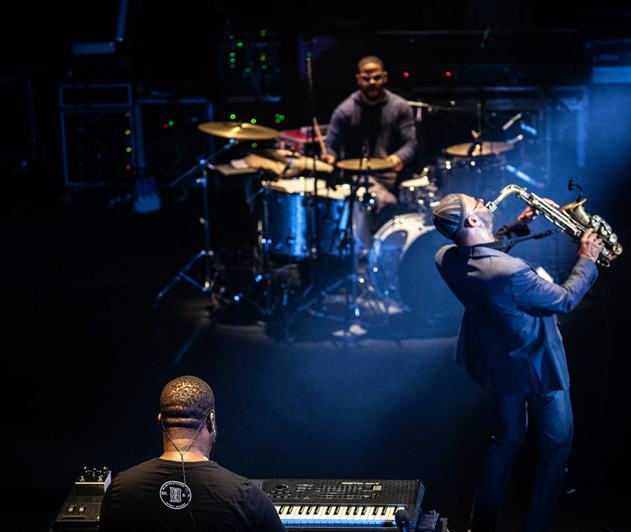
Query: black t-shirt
x=158 y=495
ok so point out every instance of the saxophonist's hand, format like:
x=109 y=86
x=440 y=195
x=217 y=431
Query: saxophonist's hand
x=590 y=246
x=530 y=213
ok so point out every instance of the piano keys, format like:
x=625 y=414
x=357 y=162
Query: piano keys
x=342 y=504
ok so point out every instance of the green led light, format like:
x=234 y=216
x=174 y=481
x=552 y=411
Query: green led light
x=240 y=44
x=233 y=116
x=253 y=121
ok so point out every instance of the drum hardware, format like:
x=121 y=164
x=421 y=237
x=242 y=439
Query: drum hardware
x=353 y=279
x=481 y=147
x=285 y=233
x=351 y=287
x=475 y=174
x=418 y=193
x=289 y=226
x=215 y=278
x=263 y=281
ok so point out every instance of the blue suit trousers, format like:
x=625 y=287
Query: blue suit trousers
x=553 y=421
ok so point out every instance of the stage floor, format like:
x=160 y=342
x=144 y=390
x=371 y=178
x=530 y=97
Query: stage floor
x=305 y=386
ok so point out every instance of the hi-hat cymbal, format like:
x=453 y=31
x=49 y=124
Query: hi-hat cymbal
x=234 y=130
x=365 y=164
x=472 y=149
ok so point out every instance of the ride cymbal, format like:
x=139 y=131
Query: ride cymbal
x=234 y=130
x=473 y=149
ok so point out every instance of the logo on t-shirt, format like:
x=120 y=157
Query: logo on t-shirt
x=175 y=495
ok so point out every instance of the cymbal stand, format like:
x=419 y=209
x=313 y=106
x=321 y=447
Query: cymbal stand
x=313 y=199
x=214 y=273
x=478 y=133
x=357 y=286
x=265 y=277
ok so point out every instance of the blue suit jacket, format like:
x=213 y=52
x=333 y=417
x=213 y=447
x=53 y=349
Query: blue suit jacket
x=509 y=340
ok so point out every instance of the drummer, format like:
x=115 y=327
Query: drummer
x=376 y=123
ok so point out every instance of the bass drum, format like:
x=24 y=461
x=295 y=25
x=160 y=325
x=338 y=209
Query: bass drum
x=402 y=267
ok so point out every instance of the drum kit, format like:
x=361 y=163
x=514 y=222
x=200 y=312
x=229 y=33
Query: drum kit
x=308 y=218
x=303 y=216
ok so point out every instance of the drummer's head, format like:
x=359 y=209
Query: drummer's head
x=371 y=78
x=462 y=218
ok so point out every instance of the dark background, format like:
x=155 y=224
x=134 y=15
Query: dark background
x=87 y=355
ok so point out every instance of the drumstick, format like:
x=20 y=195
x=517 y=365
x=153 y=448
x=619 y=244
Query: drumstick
x=319 y=136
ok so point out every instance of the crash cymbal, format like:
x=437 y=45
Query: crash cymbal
x=365 y=164
x=234 y=130
x=471 y=149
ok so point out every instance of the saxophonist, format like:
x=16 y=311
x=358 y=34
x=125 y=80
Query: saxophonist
x=509 y=343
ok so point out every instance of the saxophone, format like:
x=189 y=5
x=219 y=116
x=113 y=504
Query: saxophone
x=573 y=219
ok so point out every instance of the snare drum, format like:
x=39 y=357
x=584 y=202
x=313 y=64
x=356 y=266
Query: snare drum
x=296 y=185
x=402 y=265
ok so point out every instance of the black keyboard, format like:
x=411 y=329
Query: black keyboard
x=339 y=504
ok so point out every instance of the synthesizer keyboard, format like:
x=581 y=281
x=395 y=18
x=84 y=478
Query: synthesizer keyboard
x=342 y=504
